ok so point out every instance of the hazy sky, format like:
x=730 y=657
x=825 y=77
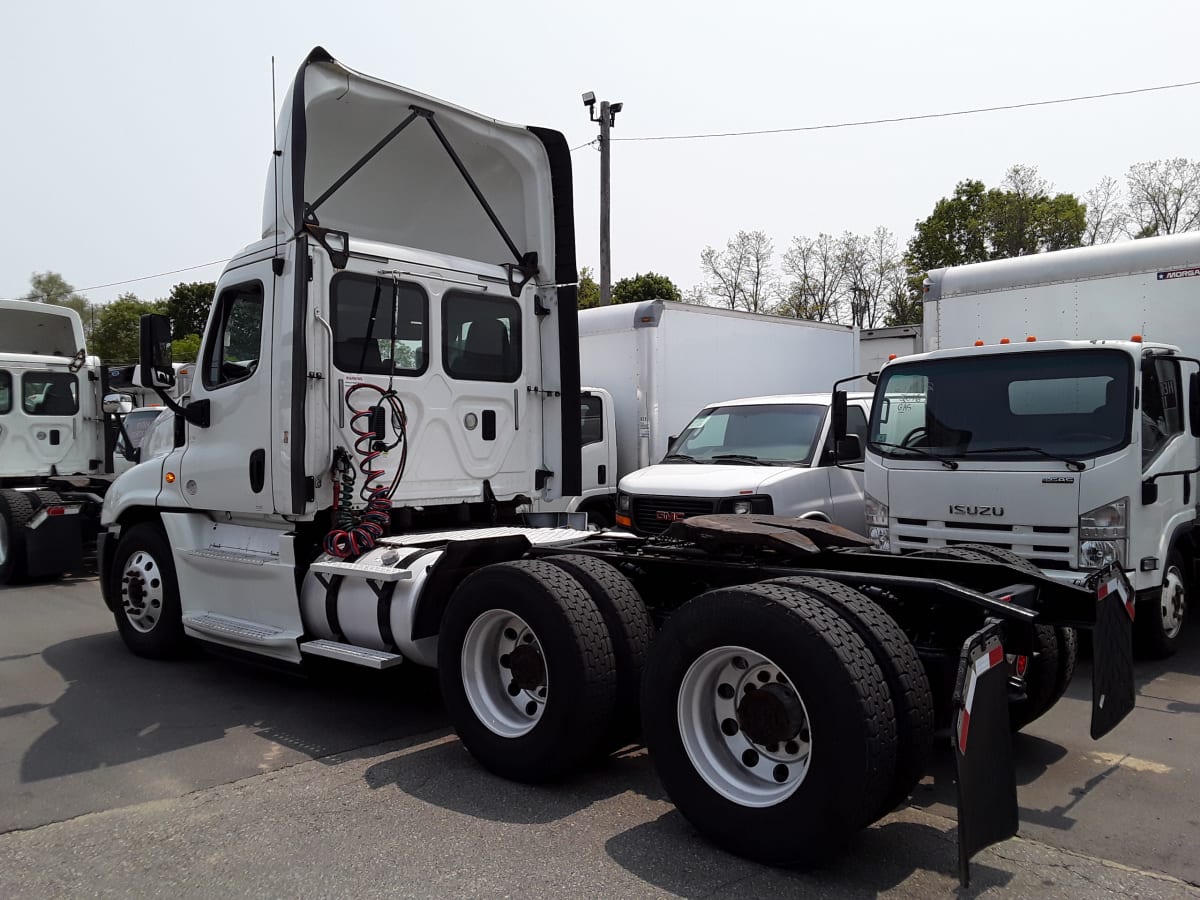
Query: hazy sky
x=137 y=136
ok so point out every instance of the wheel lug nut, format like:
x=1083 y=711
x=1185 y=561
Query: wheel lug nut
x=729 y=727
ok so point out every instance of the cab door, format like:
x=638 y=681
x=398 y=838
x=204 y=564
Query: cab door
x=226 y=466
x=846 y=485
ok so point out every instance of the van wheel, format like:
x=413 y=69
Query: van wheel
x=630 y=629
x=769 y=722
x=15 y=512
x=902 y=669
x=146 y=591
x=1160 y=617
x=527 y=671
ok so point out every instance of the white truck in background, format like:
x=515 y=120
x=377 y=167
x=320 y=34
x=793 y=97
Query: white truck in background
x=770 y=455
x=648 y=368
x=877 y=346
x=1056 y=416
x=55 y=441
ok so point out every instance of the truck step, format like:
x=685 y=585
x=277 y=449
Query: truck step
x=359 y=656
x=247 y=557
x=226 y=629
x=361 y=570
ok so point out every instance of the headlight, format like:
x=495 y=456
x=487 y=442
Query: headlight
x=877 y=523
x=624 y=503
x=1102 y=534
x=741 y=506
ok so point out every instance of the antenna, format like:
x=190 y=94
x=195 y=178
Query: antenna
x=275 y=153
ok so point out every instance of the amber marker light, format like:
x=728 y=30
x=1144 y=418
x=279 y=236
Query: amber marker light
x=170 y=477
x=1137 y=338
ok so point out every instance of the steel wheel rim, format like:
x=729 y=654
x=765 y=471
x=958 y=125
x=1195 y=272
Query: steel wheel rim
x=142 y=591
x=4 y=542
x=507 y=695
x=731 y=762
x=1173 y=602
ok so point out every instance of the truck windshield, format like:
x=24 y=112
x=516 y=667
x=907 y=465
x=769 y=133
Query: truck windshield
x=1066 y=404
x=768 y=434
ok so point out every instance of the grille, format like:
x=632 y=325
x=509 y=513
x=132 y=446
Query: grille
x=646 y=510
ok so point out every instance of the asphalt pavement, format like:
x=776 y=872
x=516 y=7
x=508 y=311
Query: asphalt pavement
x=214 y=777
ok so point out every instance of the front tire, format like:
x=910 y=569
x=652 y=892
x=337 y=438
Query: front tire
x=1160 y=618
x=769 y=722
x=527 y=671
x=143 y=585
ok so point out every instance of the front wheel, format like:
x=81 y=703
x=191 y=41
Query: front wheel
x=142 y=580
x=1160 y=617
x=769 y=722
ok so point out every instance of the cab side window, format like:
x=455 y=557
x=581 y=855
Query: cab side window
x=1162 y=416
x=49 y=394
x=5 y=393
x=591 y=408
x=235 y=342
x=481 y=337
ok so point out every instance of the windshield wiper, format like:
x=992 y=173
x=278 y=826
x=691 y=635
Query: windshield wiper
x=740 y=457
x=948 y=463
x=680 y=456
x=1074 y=465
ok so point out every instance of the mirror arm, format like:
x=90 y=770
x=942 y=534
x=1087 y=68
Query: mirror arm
x=196 y=413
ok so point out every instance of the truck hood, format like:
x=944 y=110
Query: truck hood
x=699 y=480
x=412 y=192
x=986 y=497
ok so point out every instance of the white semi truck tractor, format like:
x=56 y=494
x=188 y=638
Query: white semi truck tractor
x=391 y=371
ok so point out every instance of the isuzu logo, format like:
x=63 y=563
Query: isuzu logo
x=664 y=516
x=956 y=510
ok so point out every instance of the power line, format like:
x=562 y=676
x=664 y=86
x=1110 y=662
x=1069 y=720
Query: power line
x=97 y=287
x=911 y=118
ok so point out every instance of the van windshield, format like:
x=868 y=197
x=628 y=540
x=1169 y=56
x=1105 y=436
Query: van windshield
x=781 y=434
x=1072 y=404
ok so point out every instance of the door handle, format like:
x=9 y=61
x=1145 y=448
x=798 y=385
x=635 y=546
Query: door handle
x=601 y=474
x=258 y=470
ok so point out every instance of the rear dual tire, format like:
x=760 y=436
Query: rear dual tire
x=785 y=777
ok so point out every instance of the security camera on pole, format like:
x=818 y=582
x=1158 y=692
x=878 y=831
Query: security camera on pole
x=607 y=118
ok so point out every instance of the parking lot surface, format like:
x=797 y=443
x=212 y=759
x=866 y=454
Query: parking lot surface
x=214 y=777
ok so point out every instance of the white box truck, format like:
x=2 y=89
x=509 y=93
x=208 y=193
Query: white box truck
x=1055 y=417
x=390 y=372
x=877 y=346
x=648 y=368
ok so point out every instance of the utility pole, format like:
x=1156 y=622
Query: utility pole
x=607 y=119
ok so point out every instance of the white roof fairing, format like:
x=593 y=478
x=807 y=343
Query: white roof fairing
x=410 y=194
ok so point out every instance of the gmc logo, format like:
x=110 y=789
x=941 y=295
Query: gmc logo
x=663 y=516
x=976 y=510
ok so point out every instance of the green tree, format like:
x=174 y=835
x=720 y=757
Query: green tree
x=186 y=348
x=188 y=305
x=978 y=224
x=50 y=287
x=589 y=290
x=641 y=288
x=115 y=337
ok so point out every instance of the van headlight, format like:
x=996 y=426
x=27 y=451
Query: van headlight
x=1103 y=534
x=743 y=506
x=877 y=523
x=624 y=503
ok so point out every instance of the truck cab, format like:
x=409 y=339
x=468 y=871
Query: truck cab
x=1072 y=454
x=770 y=455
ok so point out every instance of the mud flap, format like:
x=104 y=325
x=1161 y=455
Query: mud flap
x=1113 y=692
x=987 y=782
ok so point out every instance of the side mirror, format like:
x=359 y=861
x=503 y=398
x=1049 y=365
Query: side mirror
x=839 y=416
x=1194 y=403
x=849 y=448
x=155 y=356
x=115 y=404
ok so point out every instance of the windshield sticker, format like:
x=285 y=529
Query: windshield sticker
x=1171 y=274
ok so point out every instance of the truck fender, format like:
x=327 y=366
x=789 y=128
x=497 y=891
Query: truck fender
x=1184 y=536
x=458 y=560
x=106 y=546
